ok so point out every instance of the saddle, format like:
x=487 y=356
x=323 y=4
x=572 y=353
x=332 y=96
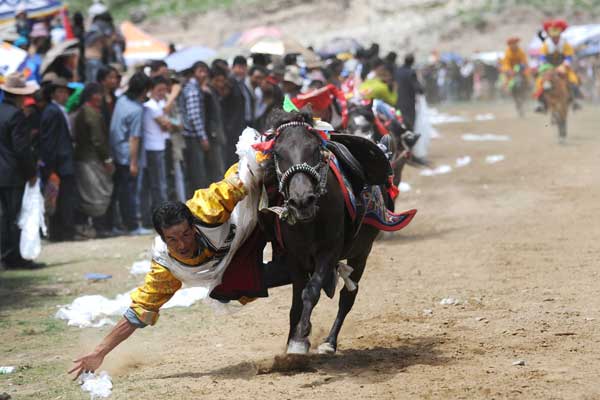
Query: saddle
x=364 y=162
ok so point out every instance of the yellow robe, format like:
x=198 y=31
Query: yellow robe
x=212 y=206
x=556 y=55
x=513 y=58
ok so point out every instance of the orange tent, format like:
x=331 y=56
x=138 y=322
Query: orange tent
x=141 y=46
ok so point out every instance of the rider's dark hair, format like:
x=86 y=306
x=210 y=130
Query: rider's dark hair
x=170 y=213
x=409 y=60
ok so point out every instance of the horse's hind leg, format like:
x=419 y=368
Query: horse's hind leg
x=346 y=302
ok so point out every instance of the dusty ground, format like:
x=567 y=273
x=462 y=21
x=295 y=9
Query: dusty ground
x=516 y=242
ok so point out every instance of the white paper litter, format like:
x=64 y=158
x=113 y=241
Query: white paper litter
x=449 y=301
x=99 y=386
x=404 y=187
x=494 y=158
x=485 y=117
x=7 y=370
x=485 y=137
x=438 y=118
x=140 y=267
x=93 y=311
x=463 y=161
x=442 y=169
x=519 y=362
x=427 y=311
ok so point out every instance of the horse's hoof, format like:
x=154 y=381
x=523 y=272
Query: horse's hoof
x=326 y=348
x=295 y=347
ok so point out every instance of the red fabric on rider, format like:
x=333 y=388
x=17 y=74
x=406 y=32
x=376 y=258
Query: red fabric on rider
x=243 y=276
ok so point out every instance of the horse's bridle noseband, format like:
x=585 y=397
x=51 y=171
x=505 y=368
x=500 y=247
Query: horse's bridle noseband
x=317 y=173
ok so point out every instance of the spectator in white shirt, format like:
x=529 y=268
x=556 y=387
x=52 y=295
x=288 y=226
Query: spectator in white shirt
x=156 y=127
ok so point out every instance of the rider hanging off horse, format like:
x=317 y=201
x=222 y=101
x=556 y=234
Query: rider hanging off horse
x=215 y=239
x=556 y=53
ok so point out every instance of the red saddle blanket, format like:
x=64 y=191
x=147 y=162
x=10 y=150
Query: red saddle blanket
x=376 y=211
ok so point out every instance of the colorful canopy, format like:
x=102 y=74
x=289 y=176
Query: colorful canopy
x=35 y=9
x=141 y=46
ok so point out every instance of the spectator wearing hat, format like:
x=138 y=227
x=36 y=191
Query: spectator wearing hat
x=292 y=81
x=22 y=23
x=57 y=157
x=38 y=46
x=17 y=165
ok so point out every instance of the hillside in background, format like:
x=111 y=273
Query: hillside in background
x=419 y=26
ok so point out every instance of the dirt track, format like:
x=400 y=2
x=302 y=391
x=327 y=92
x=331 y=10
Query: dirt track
x=515 y=242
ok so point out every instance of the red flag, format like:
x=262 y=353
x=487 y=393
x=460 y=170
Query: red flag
x=64 y=14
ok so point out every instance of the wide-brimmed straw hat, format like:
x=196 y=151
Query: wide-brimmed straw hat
x=292 y=74
x=15 y=83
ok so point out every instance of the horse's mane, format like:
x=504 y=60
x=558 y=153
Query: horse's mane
x=279 y=117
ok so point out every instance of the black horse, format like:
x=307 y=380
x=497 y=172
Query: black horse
x=315 y=229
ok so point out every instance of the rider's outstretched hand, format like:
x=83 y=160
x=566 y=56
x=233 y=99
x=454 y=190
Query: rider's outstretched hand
x=88 y=363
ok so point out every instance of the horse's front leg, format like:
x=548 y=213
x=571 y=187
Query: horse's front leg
x=299 y=279
x=298 y=342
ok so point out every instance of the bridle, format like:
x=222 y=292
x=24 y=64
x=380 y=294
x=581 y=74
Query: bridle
x=317 y=173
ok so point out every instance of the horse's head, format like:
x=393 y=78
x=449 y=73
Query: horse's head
x=299 y=163
x=361 y=122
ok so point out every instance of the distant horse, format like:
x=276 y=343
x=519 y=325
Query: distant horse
x=519 y=89
x=315 y=229
x=558 y=99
